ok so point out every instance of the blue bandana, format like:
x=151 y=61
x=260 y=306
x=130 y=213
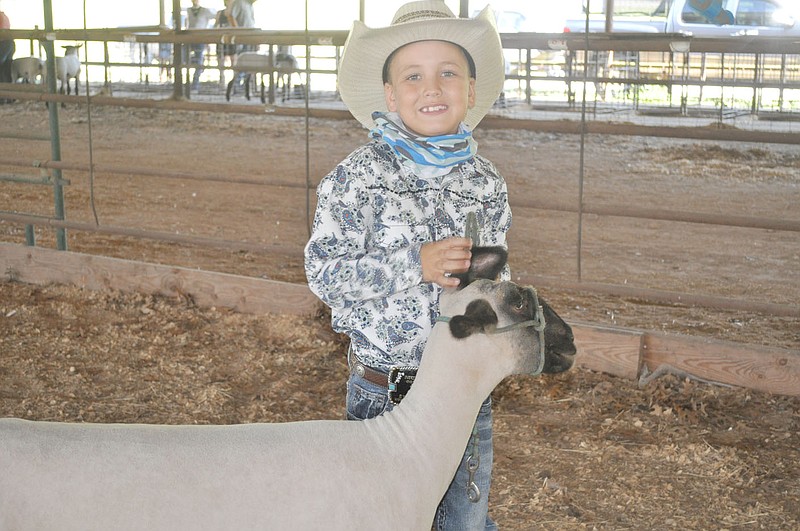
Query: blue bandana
x=442 y=151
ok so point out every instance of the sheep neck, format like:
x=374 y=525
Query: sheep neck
x=437 y=416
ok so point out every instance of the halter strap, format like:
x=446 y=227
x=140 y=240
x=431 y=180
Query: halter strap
x=538 y=324
x=500 y=329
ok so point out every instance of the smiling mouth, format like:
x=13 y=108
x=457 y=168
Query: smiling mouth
x=434 y=108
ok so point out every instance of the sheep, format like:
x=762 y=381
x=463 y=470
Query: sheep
x=28 y=69
x=68 y=67
x=252 y=63
x=388 y=472
x=285 y=66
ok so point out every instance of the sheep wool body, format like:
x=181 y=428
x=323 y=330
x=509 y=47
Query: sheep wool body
x=28 y=69
x=304 y=475
x=68 y=67
x=384 y=473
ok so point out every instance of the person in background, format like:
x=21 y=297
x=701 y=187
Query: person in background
x=7 y=49
x=225 y=51
x=198 y=17
x=242 y=13
x=390 y=222
x=243 y=16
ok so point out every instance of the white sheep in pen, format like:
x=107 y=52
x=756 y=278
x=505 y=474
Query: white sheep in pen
x=253 y=63
x=28 y=69
x=389 y=472
x=68 y=67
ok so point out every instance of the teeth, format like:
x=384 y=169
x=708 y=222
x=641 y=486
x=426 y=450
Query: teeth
x=434 y=108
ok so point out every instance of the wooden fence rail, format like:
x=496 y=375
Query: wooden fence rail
x=626 y=353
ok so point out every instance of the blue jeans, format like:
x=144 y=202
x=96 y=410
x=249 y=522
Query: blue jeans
x=455 y=512
x=197 y=59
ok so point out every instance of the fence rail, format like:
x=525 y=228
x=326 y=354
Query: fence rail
x=688 y=72
x=761 y=55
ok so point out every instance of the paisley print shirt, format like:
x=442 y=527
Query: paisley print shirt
x=374 y=212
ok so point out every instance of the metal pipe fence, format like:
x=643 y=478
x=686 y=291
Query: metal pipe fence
x=608 y=60
x=758 y=75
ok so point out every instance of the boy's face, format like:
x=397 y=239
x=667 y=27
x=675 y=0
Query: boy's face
x=430 y=87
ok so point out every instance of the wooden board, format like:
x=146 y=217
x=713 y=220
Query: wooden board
x=611 y=350
x=617 y=351
x=36 y=265
x=757 y=367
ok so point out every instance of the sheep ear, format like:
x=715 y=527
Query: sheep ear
x=476 y=318
x=486 y=262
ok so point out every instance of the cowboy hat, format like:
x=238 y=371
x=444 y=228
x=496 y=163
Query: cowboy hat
x=366 y=50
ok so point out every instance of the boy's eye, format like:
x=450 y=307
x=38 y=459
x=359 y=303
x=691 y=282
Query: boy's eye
x=448 y=73
x=413 y=77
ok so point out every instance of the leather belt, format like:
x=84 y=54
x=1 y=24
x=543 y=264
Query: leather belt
x=371 y=375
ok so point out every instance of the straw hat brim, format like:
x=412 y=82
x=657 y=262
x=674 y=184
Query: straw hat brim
x=366 y=49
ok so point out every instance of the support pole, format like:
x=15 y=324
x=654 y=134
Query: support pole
x=55 y=134
x=177 y=52
x=609 y=26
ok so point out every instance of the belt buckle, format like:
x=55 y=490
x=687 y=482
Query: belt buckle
x=400 y=380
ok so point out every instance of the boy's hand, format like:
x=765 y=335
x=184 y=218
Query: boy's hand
x=441 y=259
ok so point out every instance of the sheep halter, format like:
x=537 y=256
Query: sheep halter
x=473 y=232
x=538 y=324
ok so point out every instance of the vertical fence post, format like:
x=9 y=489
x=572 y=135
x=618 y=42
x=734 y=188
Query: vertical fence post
x=756 y=79
x=579 y=242
x=30 y=236
x=782 y=82
x=55 y=135
x=177 y=53
x=106 y=66
x=721 y=116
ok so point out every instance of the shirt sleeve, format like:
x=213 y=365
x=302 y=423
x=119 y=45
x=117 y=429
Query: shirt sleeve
x=342 y=264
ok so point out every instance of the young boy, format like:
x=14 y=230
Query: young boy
x=391 y=218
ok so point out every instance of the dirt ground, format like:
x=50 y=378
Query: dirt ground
x=575 y=451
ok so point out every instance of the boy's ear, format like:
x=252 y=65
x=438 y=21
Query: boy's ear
x=486 y=262
x=471 y=95
x=388 y=94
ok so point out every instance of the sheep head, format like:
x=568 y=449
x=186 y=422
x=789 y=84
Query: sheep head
x=489 y=307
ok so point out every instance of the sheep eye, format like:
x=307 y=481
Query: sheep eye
x=521 y=303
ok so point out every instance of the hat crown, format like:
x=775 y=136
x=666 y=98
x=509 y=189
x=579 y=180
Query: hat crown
x=423 y=10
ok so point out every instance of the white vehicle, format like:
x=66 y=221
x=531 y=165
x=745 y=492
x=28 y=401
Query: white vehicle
x=749 y=17
x=780 y=18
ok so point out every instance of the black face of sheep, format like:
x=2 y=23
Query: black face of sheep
x=518 y=315
x=523 y=303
